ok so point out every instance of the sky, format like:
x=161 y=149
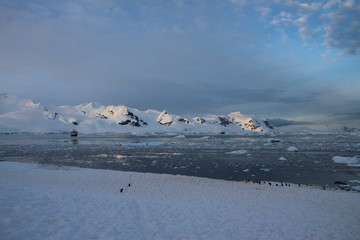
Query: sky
x=288 y=59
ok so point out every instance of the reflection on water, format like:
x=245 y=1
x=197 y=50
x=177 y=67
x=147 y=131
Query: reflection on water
x=264 y=158
x=74 y=141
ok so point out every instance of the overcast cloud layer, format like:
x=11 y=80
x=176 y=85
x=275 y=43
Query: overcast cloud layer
x=273 y=58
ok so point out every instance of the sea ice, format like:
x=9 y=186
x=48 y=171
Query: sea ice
x=292 y=149
x=282 y=159
x=180 y=136
x=307 y=138
x=354 y=181
x=237 y=152
x=350 y=161
x=142 y=144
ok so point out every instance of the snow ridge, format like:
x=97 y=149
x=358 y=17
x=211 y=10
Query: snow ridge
x=23 y=115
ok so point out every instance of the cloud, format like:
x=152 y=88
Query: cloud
x=303 y=7
x=342 y=29
x=348 y=116
x=279 y=122
x=333 y=23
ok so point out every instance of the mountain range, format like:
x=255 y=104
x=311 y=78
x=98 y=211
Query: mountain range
x=20 y=115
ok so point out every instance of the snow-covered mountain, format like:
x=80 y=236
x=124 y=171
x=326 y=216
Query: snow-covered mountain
x=23 y=115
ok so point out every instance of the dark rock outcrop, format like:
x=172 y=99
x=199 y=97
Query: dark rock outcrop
x=267 y=124
x=184 y=120
x=101 y=116
x=224 y=121
x=252 y=125
x=199 y=120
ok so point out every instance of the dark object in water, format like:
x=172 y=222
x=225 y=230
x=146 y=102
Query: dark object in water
x=340 y=182
x=73 y=133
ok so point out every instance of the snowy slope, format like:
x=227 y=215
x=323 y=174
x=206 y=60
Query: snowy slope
x=50 y=202
x=23 y=115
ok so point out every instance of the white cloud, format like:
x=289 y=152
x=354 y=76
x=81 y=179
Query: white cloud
x=342 y=26
x=335 y=23
x=302 y=20
x=303 y=7
x=284 y=18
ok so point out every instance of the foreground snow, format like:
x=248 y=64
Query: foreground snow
x=49 y=202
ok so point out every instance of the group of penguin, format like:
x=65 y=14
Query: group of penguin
x=281 y=184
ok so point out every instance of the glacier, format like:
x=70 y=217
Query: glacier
x=21 y=115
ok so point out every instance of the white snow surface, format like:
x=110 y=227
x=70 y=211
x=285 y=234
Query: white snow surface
x=50 y=202
x=23 y=115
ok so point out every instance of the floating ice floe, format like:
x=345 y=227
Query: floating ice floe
x=119 y=156
x=265 y=169
x=176 y=154
x=307 y=138
x=282 y=159
x=350 y=161
x=102 y=155
x=292 y=149
x=206 y=137
x=354 y=181
x=142 y=144
x=245 y=170
x=237 y=152
x=180 y=136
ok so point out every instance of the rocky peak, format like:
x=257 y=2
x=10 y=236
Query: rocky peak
x=165 y=119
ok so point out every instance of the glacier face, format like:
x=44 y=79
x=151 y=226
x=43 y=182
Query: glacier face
x=23 y=115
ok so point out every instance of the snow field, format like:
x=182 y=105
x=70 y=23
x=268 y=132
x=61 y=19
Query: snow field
x=50 y=202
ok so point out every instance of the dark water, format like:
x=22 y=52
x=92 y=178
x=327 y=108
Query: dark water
x=197 y=156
